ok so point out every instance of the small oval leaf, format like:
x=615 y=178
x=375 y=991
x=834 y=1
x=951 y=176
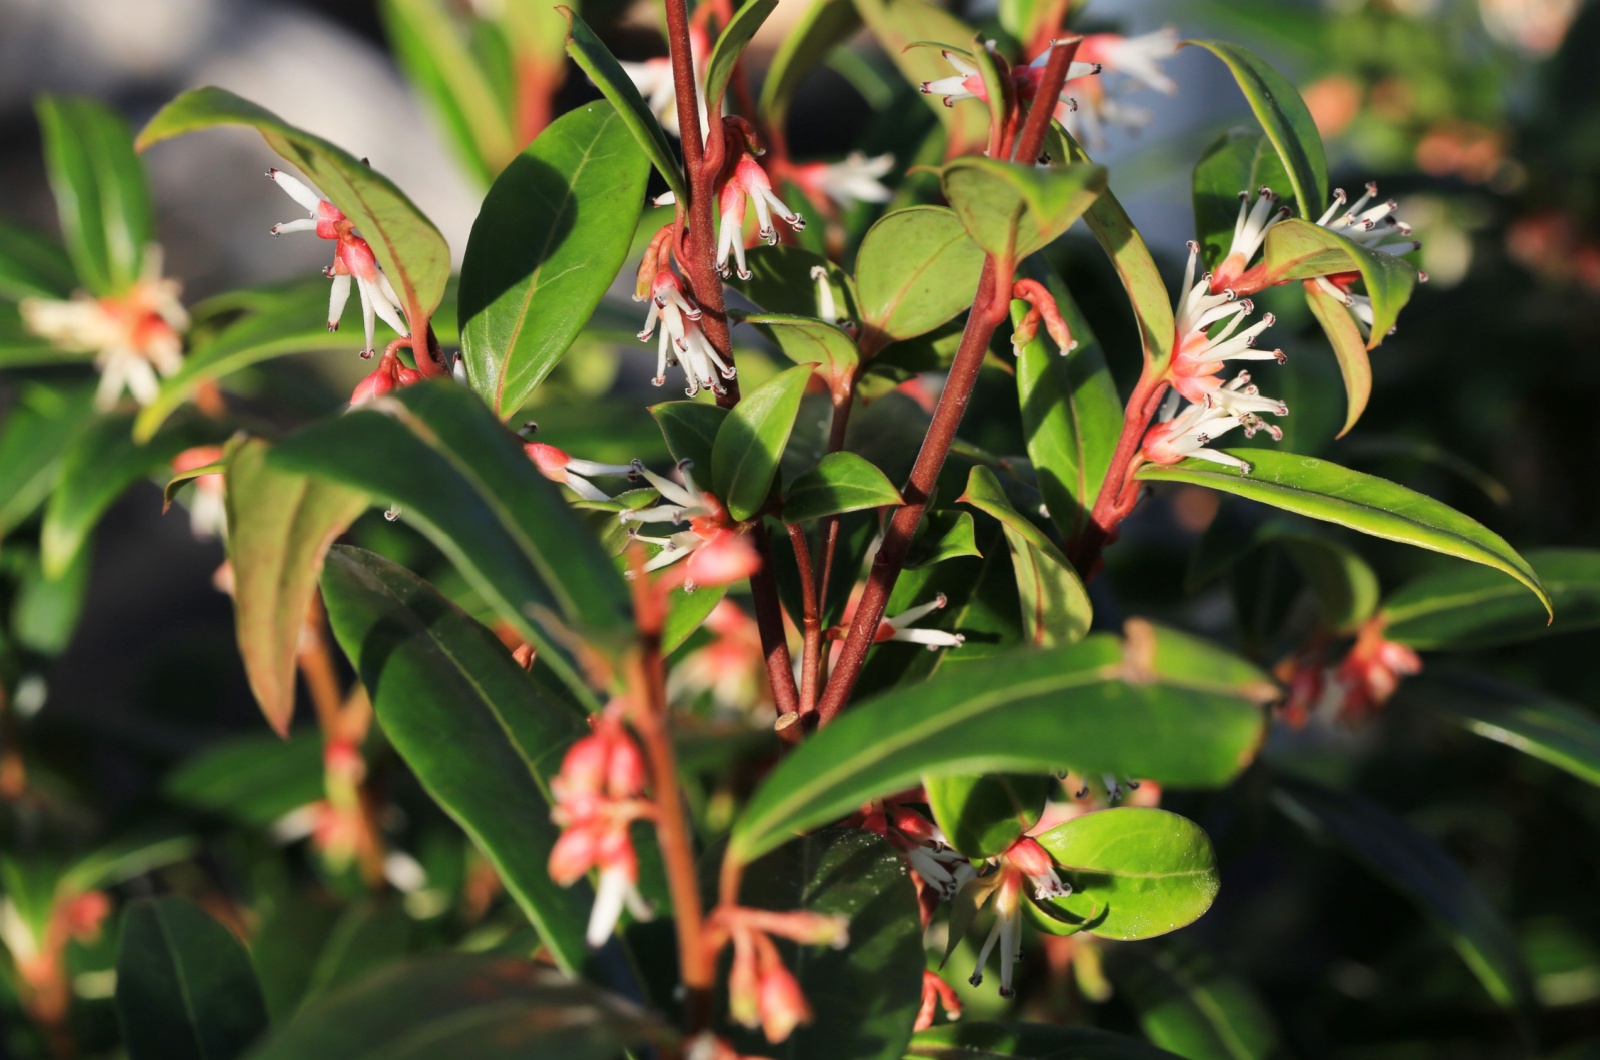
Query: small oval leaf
x=917 y=268
x=842 y=482
x=751 y=439
x=1010 y=209
x=982 y=815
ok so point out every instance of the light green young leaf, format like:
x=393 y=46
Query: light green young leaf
x=983 y=814
x=730 y=45
x=1349 y=350
x=1299 y=250
x=807 y=341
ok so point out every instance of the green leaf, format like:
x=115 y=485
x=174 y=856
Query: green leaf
x=38 y=431
x=916 y=269
x=825 y=25
x=32 y=266
x=781 y=283
x=465 y=482
x=1187 y=1004
x=898 y=24
x=185 y=988
x=547 y=243
x=982 y=815
x=280 y=526
x=1284 y=118
x=1023 y=712
x=842 y=482
x=1345 y=587
x=253 y=780
x=481 y=734
x=45 y=611
x=1414 y=865
x=944 y=535
x=690 y=428
x=1055 y=606
x=408 y=246
x=1071 y=413
x=1149 y=870
x=133 y=854
x=479 y=1005
x=730 y=45
x=1011 y=209
x=596 y=60
x=865 y=996
x=1240 y=160
x=1300 y=250
x=1349 y=350
x=366 y=937
x=106 y=218
x=1113 y=229
x=1534 y=722
x=1318 y=489
x=751 y=439
x=1027 y=1041
x=687 y=610
x=807 y=341
x=1464 y=608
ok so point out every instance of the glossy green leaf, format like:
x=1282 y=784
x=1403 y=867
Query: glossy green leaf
x=38 y=430
x=1345 y=587
x=750 y=441
x=596 y=60
x=100 y=191
x=482 y=1006
x=690 y=428
x=807 y=341
x=547 y=243
x=1322 y=490
x=482 y=735
x=1534 y=722
x=865 y=995
x=175 y=484
x=185 y=988
x=1022 y=712
x=1113 y=229
x=1071 y=412
x=1300 y=250
x=254 y=780
x=32 y=266
x=982 y=815
x=461 y=478
x=1187 y=1004
x=842 y=482
x=410 y=249
x=944 y=535
x=1136 y=872
x=825 y=25
x=686 y=612
x=1240 y=160
x=1055 y=605
x=1467 y=608
x=730 y=45
x=1349 y=350
x=898 y=24
x=280 y=527
x=1027 y=1041
x=1284 y=118
x=1011 y=209
x=916 y=269
x=1414 y=865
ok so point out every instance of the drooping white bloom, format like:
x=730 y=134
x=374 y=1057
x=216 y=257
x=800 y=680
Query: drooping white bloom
x=681 y=340
x=898 y=627
x=749 y=182
x=855 y=179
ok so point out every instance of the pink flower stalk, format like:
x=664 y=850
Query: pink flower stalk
x=682 y=341
x=749 y=182
x=967 y=82
x=352 y=258
x=1024 y=867
x=936 y=994
x=558 y=466
x=390 y=375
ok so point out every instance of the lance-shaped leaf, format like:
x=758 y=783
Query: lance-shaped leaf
x=1349 y=350
x=1241 y=160
x=1055 y=606
x=1186 y=1003
x=280 y=527
x=253 y=779
x=548 y=241
x=1071 y=413
x=1028 y=1041
x=944 y=535
x=486 y=1006
x=807 y=341
x=461 y=478
x=39 y=427
x=982 y=815
x=730 y=45
x=1469 y=608
x=841 y=482
x=1414 y=865
x=410 y=249
x=1284 y=118
x=1011 y=209
x=1534 y=722
x=898 y=24
x=690 y=429
x=596 y=60
x=1135 y=872
x=481 y=734
x=32 y=266
x=750 y=441
x=1344 y=585
x=825 y=25
x=1300 y=250
x=916 y=269
x=99 y=189
x=1321 y=490
x=185 y=987
x=1170 y=708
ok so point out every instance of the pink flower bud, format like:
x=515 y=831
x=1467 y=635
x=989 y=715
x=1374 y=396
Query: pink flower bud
x=1029 y=857
x=912 y=825
x=377 y=384
x=783 y=1006
x=625 y=771
x=551 y=462
x=583 y=770
x=725 y=558
x=573 y=855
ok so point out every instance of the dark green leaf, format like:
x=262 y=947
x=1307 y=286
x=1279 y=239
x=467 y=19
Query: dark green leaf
x=45 y=611
x=1534 y=722
x=1344 y=585
x=1240 y=160
x=408 y=246
x=1322 y=490
x=1300 y=250
x=690 y=428
x=982 y=815
x=38 y=431
x=185 y=988
x=944 y=535
x=33 y=266
x=781 y=283
x=1135 y=872
x=365 y=938
x=1464 y=608
x=1187 y=1004
x=917 y=268
x=1011 y=209
x=842 y=482
x=730 y=45
x=750 y=441
x=254 y=780
x=133 y=854
x=547 y=243
x=807 y=341
x=1027 y=1041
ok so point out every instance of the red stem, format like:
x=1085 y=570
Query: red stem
x=1119 y=492
x=812 y=625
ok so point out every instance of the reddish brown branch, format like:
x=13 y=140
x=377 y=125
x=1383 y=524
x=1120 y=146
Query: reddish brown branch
x=1119 y=491
x=811 y=624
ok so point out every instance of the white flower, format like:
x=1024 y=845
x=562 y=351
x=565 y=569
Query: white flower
x=1200 y=351
x=897 y=627
x=681 y=339
x=749 y=181
x=856 y=179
